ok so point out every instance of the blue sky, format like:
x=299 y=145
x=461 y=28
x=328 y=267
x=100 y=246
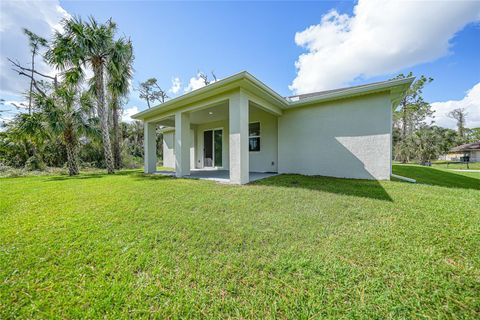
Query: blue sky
x=175 y=40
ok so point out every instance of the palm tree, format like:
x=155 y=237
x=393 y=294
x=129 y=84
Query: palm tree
x=134 y=133
x=119 y=73
x=88 y=44
x=29 y=130
x=67 y=113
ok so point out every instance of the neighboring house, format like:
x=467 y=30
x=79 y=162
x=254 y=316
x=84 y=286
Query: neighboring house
x=470 y=150
x=241 y=125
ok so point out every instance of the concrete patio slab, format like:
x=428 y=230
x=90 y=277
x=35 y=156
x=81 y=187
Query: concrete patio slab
x=222 y=176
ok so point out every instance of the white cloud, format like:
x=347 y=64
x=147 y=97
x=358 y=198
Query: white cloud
x=128 y=113
x=176 y=85
x=41 y=17
x=195 y=83
x=471 y=103
x=381 y=37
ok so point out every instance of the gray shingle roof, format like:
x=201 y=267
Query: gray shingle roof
x=466 y=147
x=321 y=93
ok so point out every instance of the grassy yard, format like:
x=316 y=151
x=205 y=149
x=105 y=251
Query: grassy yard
x=458 y=166
x=131 y=246
x=438 y=176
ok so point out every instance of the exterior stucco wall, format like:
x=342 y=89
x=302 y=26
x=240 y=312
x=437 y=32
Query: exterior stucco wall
x=474 y=156
x=453 y=156
x=168 y=149
x=347 y=139
x=265 y=160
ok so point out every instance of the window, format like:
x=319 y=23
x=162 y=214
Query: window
x=254 y=136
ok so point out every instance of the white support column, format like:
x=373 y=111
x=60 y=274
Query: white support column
x=239 y=155
x=182 y=144
x=150 y=147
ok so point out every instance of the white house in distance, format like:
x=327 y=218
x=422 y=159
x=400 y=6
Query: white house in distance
x=241 y=127
x=470 y=151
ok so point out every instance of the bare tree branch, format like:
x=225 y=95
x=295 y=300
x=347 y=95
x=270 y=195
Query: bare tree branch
x=204 y=77
x=35 y=84
x=17 y=64
x=161 y=93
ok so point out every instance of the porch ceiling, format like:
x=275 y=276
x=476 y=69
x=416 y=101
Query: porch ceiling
x=215 y=113
x=167 y=122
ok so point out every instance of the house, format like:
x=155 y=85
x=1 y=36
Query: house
x=240 y=127
x=470 y=151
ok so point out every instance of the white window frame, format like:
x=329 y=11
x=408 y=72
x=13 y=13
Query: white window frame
x=213 y=147
x=257 y=136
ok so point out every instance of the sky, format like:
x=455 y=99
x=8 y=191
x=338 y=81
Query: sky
x=293 y=47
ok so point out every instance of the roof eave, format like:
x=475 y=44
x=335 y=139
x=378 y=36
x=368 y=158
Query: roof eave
x=397 y=88
x=212 y=88
x=159 y=108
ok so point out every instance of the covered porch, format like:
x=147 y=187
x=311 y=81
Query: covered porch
x=230 y=138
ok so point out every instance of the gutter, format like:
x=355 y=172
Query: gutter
x=404 y=178
x=353 y=92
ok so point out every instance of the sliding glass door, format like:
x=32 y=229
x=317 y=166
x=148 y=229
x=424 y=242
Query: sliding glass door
x=217 y=147
x=212 y=148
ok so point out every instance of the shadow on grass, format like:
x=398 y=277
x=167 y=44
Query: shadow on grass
x=79 y=177
x=144 y=176
x=350 y=187
x=93 y=175
x=435 y=177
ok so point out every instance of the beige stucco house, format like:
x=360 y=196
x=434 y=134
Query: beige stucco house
x=470 y=151
x=239 y=126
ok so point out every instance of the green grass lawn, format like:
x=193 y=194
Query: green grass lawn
x=133 y=246
x=437 y=176
x=458 y=166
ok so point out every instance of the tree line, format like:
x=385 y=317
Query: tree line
x=70 y=118
x=414 y=139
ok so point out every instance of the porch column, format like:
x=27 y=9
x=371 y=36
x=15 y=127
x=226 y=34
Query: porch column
x=182 y=144
x=238 y=137
x=150 y=147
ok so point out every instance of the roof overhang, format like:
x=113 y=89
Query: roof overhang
x=397 y=89
x=242 y=80
x=474 y=146
x=265 y=95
